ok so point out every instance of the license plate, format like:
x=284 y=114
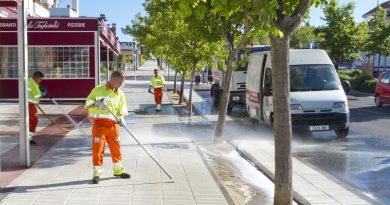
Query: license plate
x=319 y=127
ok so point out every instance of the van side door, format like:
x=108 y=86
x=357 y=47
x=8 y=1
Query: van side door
x=261 y=89
x=267 y=95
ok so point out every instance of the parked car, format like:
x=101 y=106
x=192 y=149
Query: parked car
x=382 y=89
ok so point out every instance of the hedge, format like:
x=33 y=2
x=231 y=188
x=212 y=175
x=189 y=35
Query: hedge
x=359 y=81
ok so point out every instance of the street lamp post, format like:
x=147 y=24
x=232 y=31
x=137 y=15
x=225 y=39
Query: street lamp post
x=23 y=75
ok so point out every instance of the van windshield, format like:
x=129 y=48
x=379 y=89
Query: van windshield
x=313 y=78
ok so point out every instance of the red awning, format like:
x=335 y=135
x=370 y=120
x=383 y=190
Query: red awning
x=8 y=7
x=109 y=38
x=10 y=3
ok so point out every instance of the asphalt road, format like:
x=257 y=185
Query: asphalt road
x=361 y=161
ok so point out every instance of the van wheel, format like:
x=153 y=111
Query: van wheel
x=342 y=133
x=378 y=101
x=216 y=95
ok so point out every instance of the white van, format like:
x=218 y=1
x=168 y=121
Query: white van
x=237 y=83
x=318 y=101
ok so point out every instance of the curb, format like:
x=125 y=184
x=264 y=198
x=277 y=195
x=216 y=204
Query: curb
x=296 y=196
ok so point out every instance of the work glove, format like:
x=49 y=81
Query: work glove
x=100 y=105
x=122 y=121
x=43 y=91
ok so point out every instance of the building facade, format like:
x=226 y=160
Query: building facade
x=69 y=51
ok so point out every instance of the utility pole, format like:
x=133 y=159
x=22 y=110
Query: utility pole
x=23 y=75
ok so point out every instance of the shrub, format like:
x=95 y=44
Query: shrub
x=356 y=72
x=345 y=77
x=368 y=86
x=351 y=73
x=358 y=81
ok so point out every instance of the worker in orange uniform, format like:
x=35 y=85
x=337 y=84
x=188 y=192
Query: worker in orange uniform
x=35 y=91
x=158 y=84
x=105 y=127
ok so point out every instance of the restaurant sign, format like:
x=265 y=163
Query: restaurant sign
x=52 y=24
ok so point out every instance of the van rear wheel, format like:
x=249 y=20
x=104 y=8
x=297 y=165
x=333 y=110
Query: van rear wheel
x=342 y=132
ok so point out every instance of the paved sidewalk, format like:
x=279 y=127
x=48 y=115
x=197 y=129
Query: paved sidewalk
x=310 y=186
x=46 y=135
x=63 y=174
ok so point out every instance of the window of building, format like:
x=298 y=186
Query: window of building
x=8 y=62
x=54 y=62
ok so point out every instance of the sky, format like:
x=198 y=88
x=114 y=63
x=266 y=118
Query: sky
x=361 y=7
x=122 y=12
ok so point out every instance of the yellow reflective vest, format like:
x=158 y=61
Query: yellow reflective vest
x=115 y=101
x=157 y=82
x=33 y=91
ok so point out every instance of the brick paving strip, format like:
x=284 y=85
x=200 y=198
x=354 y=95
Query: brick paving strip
x=46 y=138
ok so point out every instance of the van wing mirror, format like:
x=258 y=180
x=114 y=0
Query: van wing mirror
x=267 y=90
x=346 y=86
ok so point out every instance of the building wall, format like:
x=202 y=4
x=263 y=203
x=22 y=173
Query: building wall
x=67 y=58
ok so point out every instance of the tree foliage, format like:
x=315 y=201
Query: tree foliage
x=238 y=22
x=342 y=37
x=379 y=33
x=302 y=36
x=186 y=42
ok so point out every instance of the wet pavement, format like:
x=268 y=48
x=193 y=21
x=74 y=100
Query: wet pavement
x=361 y=161
x=182 y=144
x=244 y=183
x=63 y=174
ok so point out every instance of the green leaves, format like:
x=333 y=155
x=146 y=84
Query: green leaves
x=379 y=33
x=342 y=37
x=303 y=35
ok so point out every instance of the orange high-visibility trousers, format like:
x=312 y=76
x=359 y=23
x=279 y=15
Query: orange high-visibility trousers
x=32 y=115
x=105 y=130
x=158 y=94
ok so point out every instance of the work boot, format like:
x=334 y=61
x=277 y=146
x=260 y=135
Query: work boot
x=119 y=172
x=30 y=135
x=97 y=171
x=123 y=175
x=158 y=108
x=95 y=180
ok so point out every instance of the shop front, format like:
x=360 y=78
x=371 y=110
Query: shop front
x=68 y=51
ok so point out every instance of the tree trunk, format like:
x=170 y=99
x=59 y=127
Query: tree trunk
x=379 y=64
x=189 y=104
x=174 y=82
x=181 y=88
x=224 y=100
x=369 y=66
x=282 y=119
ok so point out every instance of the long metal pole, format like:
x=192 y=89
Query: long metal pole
x=67 y=116
x=143 y=147
x=22 y=75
